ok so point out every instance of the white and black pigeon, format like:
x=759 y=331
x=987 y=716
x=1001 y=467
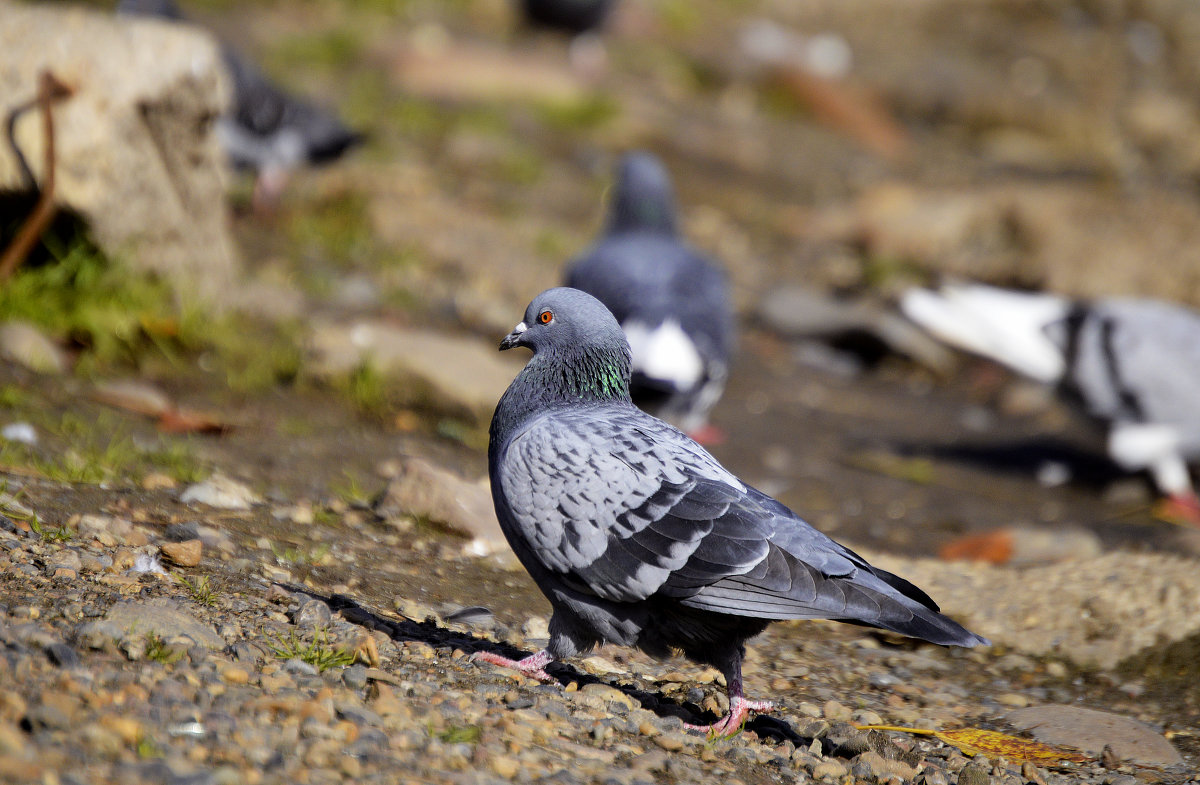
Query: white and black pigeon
x=672 y=302
x=1131 y=363
x=266 y=130
x=638 y=536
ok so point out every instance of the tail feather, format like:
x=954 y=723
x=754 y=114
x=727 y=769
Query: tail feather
x=1005 y=326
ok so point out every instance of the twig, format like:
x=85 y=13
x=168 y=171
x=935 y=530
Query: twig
x=50 y=91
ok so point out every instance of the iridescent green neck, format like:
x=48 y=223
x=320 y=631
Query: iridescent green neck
x=590 y=374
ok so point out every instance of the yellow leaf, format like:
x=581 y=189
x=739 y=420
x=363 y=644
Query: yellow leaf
x=974 y=741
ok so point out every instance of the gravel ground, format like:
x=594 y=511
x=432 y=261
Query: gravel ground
x=256 y=665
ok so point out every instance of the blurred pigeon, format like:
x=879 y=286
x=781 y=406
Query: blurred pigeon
x=570 y=16
x=267 y=129
x=637 y=536
x=582 y=20
x=1134 y=364
x=672 y=302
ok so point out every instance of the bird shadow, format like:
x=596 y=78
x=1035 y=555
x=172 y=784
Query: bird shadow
x=430 y=632
x=1021 y=457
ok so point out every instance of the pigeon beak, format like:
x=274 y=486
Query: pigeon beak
x=513 y=338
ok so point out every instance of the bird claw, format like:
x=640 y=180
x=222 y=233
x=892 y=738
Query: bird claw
x=531 y=666
x=732 y=723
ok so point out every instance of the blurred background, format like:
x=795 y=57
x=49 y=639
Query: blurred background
x=828 y=154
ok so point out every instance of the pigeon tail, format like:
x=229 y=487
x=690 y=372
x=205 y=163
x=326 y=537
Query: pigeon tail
x=1005 y=326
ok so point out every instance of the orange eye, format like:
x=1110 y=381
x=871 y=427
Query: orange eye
x=545 y=317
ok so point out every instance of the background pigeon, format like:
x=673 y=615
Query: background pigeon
x=570 y=16
x=672 y=302
x=1134 y=364
x=582 y=20
x=267 y=129
x=638 y=536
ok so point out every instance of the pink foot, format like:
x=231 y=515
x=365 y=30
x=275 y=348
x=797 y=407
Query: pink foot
x=731 y=723
x=1182 y=508
x=708 y=434
x=532 y=666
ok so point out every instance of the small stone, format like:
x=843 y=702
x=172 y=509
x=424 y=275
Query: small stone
x=932 y=776
x=355 y=677
x=108 y=530
x=221 y=492
x=62 y=655
x=20 y=432
x=609 y=695
x=671 y=742
x=183 y=554
x=867 y=717
x=92 y=564
x=26 y=345
x=828 y=769
x=648 y=729
x=835 y=711
x=505 y=766
x=973 y=775
x=313 y=614
x=234 y=674
x=873 y=766
x=536 y=627
x=157 y=481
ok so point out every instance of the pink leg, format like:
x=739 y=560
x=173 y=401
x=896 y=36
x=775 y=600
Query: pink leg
x=739 y=707
x=531 y=666
x=708 y=434
x=1183 y=508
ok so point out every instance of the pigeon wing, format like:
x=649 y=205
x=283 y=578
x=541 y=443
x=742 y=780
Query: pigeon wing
x=1146 y=360
x=618 y=503
x=626 y=508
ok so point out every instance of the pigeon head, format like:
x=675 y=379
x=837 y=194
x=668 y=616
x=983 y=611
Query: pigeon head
x=580 y=352
x=644 y=199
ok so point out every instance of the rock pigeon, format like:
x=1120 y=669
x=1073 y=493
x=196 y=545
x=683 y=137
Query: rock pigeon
x=1131 y=363
x=672 y=302
x=267 y=130
x=638 y=536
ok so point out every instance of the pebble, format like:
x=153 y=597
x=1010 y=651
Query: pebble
x=220 y=492
x=183 y=554
x=313 y=614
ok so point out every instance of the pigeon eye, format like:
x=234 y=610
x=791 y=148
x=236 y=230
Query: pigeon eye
x=545 y=317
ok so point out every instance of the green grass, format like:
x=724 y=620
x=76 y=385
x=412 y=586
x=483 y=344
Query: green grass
x=297 y=556
x=80 y=296
x=585 y=114
x=367 y=391
x=98 y=450
x=460 y=734
x=352 y=491
x=158 y=651
x=60 y=533
x=200 y=589
x=318 y=652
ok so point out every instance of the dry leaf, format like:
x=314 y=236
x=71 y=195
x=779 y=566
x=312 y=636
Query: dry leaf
x=974 y=741
x=994 y=547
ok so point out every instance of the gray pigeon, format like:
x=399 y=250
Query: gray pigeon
x=637 y=536
x=267 y=130
x=672 y=302
x=1131 y=363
